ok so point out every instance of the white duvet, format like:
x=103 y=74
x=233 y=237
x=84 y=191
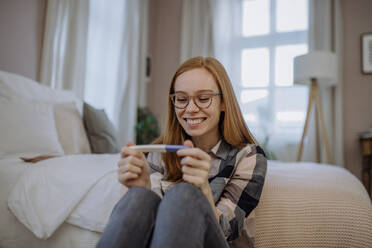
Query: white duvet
x=79 y=189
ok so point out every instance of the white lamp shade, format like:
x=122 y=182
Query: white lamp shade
x=319 y=65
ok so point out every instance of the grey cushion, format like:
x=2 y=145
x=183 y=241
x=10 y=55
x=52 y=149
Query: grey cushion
x=100 y=131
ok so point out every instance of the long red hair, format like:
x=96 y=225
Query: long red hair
x=232 y=125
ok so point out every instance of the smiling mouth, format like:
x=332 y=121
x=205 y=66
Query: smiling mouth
x=194 y=121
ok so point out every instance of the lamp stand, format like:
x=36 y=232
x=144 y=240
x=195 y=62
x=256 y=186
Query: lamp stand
x=314 y=96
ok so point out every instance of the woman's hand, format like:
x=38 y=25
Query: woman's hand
x=195 y=166
x=133 y=168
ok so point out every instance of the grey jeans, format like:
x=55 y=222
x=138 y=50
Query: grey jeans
x=184 y=218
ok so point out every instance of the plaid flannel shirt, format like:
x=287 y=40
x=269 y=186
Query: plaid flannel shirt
x=236 y=178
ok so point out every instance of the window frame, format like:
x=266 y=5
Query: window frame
x=271 y=40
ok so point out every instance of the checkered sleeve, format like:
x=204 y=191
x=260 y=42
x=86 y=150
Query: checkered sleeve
x=243 y=190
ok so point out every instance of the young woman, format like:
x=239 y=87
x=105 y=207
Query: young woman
x=201 y=196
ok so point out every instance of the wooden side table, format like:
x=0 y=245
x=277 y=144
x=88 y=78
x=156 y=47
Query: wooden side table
x=366 y=142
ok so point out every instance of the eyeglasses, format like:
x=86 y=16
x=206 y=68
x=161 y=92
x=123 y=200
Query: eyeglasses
x=203 y=100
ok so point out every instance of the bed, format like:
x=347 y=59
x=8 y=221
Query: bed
x=65 y=201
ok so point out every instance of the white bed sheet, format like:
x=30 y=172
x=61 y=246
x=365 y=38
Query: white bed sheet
x=14 y=234
x=80 y=189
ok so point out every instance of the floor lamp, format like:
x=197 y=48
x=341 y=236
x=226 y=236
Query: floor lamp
x=317 y=69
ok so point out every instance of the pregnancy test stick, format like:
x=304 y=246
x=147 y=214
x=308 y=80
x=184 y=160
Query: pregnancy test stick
x=158 y=148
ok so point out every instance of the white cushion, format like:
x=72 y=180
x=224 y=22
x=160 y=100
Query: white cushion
x=74 y=140
x=28 y=129
x=14 y=86
x=70 y=128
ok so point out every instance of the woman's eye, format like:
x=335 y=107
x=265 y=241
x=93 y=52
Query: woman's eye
x=204 y=98
x=181 y=99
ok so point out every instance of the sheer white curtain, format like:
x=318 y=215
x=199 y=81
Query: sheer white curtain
x=197 y=29
x=97 y=49
x=226 y=29
x=208 y=29
x=63 y=60
x=115 y=61
x=325 y=34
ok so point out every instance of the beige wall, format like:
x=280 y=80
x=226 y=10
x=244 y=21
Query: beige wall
x=357 y=90
x=21 y=32
x=164 y=49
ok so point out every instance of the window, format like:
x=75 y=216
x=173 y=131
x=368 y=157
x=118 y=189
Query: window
x=273 y=32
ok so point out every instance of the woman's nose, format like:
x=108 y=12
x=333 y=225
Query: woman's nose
x=192 y=107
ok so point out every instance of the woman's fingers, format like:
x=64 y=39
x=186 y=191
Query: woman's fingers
x=127 y=151
x=133 y=168
x=197 y=181
x=196 y=163
x=131 y=160
x=195 y=172
x=194 y=152
x=130 y=168
x=125 y=177
x=188 y=143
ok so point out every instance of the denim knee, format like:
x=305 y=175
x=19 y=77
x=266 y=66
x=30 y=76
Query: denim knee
x=137 y=197
x=185 y=193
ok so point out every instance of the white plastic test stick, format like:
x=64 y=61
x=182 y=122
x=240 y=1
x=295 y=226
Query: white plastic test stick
x=158 y=148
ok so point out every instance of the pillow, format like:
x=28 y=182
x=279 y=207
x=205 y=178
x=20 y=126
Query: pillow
x=14 y=87
x=28 y=129
x=70 y=129
x=101 y=132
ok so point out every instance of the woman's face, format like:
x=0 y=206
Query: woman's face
x=196 y=121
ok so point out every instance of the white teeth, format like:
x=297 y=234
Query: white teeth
x=195 y=121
